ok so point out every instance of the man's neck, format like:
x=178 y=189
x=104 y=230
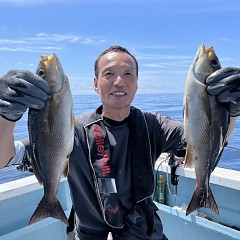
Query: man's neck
x=116 y=114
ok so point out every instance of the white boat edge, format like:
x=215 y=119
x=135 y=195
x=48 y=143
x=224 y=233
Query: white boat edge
x=19 y=198
x=225 y=184
x=220 y=176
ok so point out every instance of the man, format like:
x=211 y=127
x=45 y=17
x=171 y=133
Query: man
x=111 y=166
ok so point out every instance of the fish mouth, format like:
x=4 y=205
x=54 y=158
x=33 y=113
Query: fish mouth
x=47 y=60
x=206 y=62
x=211 y=55
x=118 y=93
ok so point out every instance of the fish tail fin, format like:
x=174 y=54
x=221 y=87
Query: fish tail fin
x=48 y=209
x=201 y=199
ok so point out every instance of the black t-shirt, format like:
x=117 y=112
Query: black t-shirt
x=118 y=136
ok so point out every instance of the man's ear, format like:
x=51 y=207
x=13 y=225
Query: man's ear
x=96 y=88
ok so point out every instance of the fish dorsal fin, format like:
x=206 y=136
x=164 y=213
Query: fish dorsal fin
x=206 y=107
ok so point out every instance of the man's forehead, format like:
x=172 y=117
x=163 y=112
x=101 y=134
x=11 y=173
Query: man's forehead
x=113 y=58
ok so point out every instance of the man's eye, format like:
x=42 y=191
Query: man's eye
x=108 y=74
x=129 y=74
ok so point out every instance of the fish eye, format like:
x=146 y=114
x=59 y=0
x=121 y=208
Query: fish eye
x=215 y=63
x=41 y=73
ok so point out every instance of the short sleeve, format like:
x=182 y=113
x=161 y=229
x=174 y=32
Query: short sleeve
x=19 y=150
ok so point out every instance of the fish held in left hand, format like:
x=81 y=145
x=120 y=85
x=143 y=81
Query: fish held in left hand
x=205 y=127
x=51 y=135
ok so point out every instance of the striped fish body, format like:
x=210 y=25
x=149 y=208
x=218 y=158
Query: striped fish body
x=205 y=127
x=51 y=134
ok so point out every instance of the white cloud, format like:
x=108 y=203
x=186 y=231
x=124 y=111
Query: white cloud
x=228 y=40
x=8 y=41
x=46 y=42
x=28 y=2
x=28 y=49
x=167 y=64
x=160 y=57
x=55 y=37
x=34 y=2
x=158 y=47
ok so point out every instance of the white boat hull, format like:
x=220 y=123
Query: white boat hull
x=19 y=199
x=225 y=185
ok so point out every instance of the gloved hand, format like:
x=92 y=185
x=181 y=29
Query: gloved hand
x=225 y=84
x=20 y=90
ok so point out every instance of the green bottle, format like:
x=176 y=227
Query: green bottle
x=161 y=194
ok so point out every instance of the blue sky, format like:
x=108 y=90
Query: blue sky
x=164 y=35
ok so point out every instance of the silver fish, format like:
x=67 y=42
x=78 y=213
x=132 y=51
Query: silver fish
x=51 y=135
x=205 y=127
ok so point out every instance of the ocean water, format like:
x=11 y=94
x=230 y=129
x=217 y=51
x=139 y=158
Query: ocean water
x=164 y=103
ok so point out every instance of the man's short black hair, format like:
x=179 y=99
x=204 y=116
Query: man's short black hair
x=114 y=49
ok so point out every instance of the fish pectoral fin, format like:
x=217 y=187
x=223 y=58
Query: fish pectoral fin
x=66 y=168
x=188 y=158
x=206 y=107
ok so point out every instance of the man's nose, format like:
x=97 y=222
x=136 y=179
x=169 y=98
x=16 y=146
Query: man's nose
x=119 y=81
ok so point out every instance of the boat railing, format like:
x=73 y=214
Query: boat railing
x=225 y=185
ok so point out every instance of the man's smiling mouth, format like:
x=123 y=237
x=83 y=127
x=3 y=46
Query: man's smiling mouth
x=118 y=93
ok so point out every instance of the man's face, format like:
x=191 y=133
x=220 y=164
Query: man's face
x=117 y=80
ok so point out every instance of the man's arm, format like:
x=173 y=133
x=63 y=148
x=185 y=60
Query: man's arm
x=7 y=150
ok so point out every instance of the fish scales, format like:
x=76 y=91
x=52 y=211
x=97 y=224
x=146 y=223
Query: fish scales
x=205 y=127
x=51 y=135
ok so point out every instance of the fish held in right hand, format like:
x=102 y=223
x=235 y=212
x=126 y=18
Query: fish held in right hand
x=205 y=127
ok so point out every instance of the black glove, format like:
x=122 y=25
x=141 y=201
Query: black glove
x=20 y=90
x=225 y=84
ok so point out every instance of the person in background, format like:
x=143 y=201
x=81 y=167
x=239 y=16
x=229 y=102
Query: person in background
x=131 y=141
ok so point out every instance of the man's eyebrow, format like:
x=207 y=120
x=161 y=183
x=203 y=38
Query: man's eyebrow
x=131 y=68
x=106 y=69
x=127 y=68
